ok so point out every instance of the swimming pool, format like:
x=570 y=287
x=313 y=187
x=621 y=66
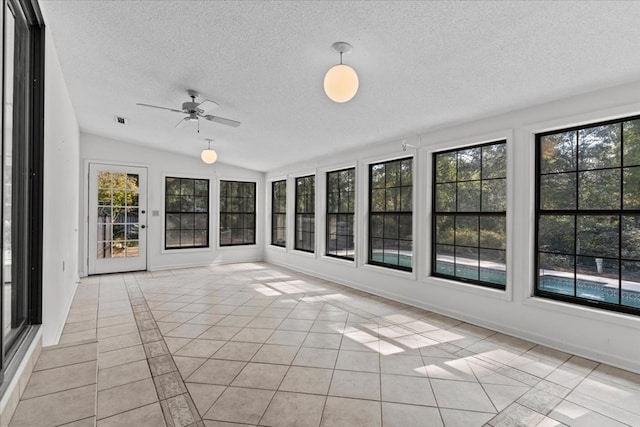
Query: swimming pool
x=469 y=272
x=393 y=258
x=589 y=289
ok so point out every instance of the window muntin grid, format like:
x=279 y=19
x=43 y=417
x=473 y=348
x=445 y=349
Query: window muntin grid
x=279 y=213
x=186 y=213
x=237 y=213
x=391 y=214
x=305 y=214
x=469 y=220
x=341 y=188
x=588 y=215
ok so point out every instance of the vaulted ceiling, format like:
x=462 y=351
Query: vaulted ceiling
x=422 y=65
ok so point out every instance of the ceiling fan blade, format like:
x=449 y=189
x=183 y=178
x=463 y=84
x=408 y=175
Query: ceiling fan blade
x=182 y=122
x=160 y=108
x=206 y=105
x=222 y=120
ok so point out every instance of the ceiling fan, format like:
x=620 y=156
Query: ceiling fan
x=195 y=109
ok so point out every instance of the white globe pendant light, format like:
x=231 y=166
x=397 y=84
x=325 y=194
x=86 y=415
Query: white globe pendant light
x=208 y=155
x=341 y=81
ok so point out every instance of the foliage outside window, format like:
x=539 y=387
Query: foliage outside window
x=305 y=228
x=186 y=213
x=391 y=214
x=279 y=213
x=469 y=220
x=237 y=213
x=588 y=216
x=340 y=213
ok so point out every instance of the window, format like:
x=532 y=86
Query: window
x=237 y=213
x=391 y=214
x=22 y=176
x=588 y=215
x=279 y=213
x=186 y=213
x=305 y=213
x=469 y=214
x=341 y=188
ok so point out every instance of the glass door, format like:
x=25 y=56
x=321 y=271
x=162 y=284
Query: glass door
x=21 y=164
x=15 y=165
x=117 y=218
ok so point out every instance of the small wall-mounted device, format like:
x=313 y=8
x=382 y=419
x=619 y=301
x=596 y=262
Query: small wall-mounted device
x=405 y=145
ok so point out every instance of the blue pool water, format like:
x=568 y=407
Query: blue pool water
x=589 y=289
x=468 y=272
x=394 y=259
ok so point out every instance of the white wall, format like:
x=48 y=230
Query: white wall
x=61 y=175
x=160 y=164
x=608 y=337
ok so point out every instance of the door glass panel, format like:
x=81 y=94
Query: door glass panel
x=133 y=248
x=118 y=215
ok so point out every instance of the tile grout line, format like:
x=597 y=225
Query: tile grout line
x=175 y=400
x=514 y=372
x=290 y=364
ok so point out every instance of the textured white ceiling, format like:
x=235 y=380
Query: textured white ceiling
x=422 y=65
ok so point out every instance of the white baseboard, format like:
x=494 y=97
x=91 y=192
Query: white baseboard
x=55 y=339
x=588 y=353
x=207 y=264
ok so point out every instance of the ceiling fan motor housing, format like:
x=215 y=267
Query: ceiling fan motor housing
x=189 y=107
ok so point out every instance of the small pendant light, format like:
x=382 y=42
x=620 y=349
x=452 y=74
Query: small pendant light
x=209 y=156
x=341 y=81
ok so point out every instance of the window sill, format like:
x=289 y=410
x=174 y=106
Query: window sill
x=502 y=294
x=303 y=253
x=407 y=275
x=340 y=261
x=250 y=246
x=185 y=250
x=277 y=248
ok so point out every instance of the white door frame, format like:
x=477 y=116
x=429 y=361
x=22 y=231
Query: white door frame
x=113 y=265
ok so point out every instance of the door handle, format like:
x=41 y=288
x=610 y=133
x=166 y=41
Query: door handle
x=143 y=226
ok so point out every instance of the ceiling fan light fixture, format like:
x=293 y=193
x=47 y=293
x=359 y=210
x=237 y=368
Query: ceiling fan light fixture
x=341 y=81
x=208 y=155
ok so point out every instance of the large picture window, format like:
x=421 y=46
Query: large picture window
x=186 y=213
x=469 y=214
x=305 y=228
x=588 y=215
x=279 y=213
x=341 y=186
x=391 y=214
x=237 y=213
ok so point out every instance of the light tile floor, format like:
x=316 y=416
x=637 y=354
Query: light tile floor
x=256 y=344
